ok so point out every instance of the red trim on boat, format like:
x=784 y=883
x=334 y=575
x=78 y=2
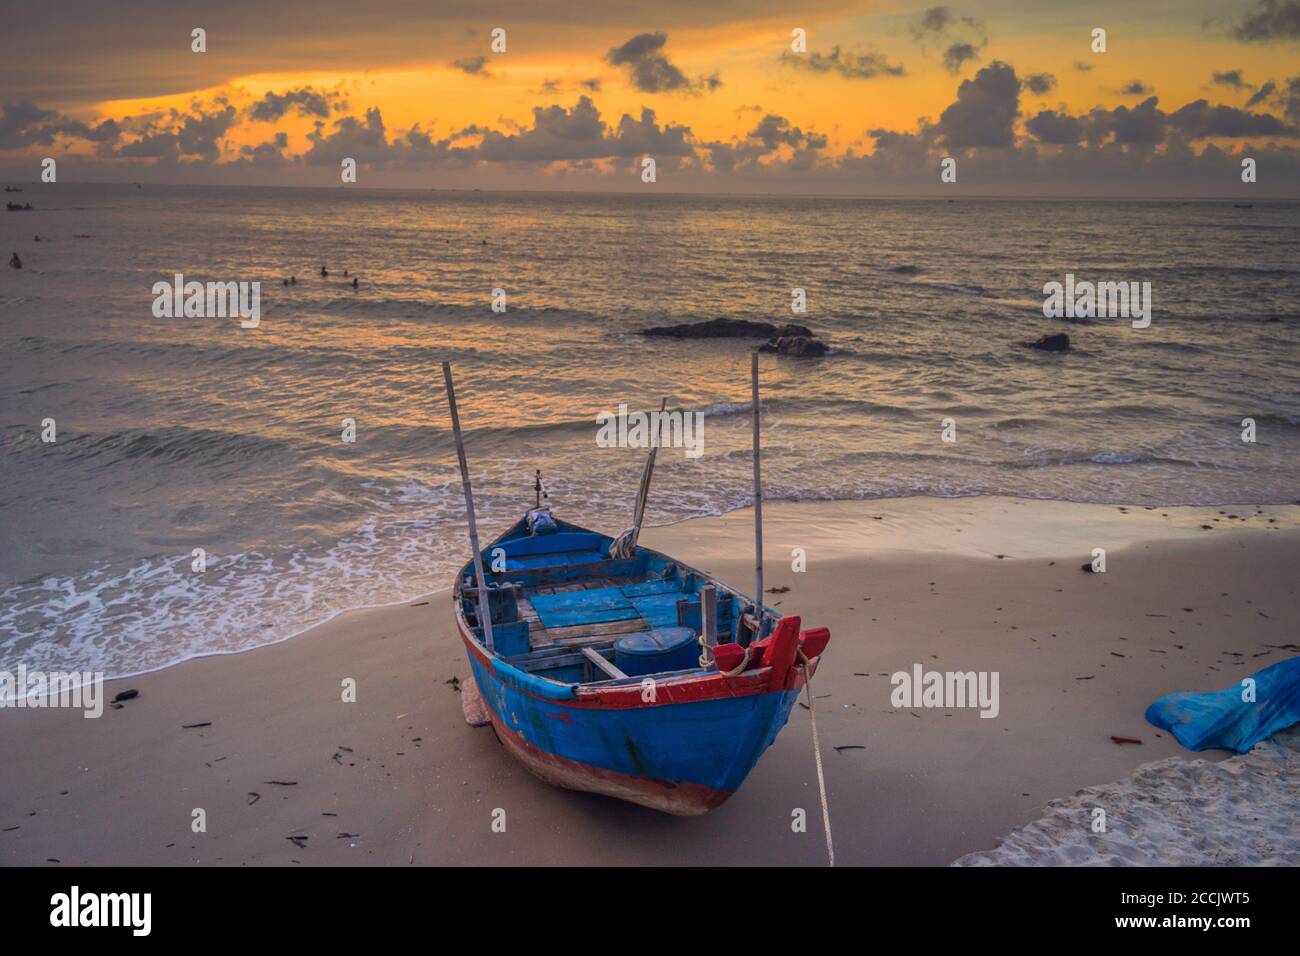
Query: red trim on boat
x=672 y=690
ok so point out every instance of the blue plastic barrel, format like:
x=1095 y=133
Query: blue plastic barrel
x=652 y=652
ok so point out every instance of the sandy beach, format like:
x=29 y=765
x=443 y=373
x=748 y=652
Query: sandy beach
x=1177 y=811
x=991 y=584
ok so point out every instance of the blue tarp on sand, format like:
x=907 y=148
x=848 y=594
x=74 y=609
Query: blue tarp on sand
x=1223 y=720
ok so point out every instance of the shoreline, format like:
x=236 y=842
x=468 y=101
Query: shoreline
x=909 y=506
x=397 y=778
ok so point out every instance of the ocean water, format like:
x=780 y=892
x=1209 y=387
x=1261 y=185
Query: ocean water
x=176 y=434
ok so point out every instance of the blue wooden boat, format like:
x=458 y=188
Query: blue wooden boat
x=596 y=677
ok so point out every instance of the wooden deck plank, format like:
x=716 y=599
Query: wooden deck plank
x=659 y=609
x=582 y=607
x=586 y=632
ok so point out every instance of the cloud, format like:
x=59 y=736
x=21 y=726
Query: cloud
x=650 y=69
x=1146 y=124
x=474 y=66
x=194 y=136
x=25 y=124
x=1262 y=94
x=957 y=54
x=1290 y=99
x=1271 y=20
x=937 y=20
x=902 y=163
x=199 y=134
x=306 y=101
x=770 y=135
x=1040 y=84
x=987 y=107
x=985 y=111
x=1143 y=125
x=264 y=156
x=366 y=140
x=865 y=65
x=1082 y=67
x=1053 y=128
x=934 y=20
x=730 y=157
x=191 y=139
x=1200 y=120
x=556 y=133
x=645 y=137
x=773 y=131
x=1285 y=98
x=1232 y=78
x=592 y=84
x=82 y=52
x=579 y=133
x=1137 y=149
x=964 y=37
x=1135 y=88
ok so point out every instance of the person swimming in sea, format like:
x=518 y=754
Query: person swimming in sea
x=293 y=280
x=345 y=273
x=355 y=284
x=15 y=261
x=324 y=273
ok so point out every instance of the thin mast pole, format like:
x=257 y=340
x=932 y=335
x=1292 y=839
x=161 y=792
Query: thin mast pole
x=484 y=611
x=638 y=510
x=758 y=501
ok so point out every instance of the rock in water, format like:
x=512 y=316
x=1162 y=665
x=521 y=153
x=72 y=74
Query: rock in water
x=798 y=345
x=727 y=329
x=1060 y=342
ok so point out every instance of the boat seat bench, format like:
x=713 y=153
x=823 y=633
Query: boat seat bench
x=564 y=662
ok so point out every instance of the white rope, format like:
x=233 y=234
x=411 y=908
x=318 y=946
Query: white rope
x=817 y=752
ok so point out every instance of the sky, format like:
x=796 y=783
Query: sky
x=724 y=95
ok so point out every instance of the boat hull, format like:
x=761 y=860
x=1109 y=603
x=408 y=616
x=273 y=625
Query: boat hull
x=684 y=752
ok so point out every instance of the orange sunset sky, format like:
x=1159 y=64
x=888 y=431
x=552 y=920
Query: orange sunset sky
x=714 y=91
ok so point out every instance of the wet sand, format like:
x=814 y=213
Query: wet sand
x=972 y=584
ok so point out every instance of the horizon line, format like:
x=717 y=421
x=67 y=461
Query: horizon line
x=677 y=193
